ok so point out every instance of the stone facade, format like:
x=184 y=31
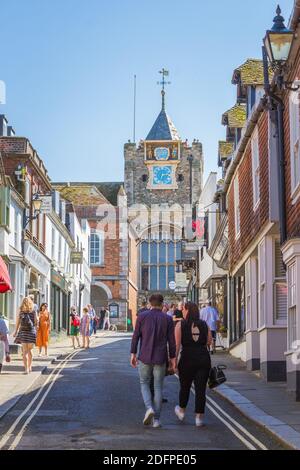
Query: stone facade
x=136 y=183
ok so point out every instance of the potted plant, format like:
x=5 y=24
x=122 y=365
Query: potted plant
x=223 y=331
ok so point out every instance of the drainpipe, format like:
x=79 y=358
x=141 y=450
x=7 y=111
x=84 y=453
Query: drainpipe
x=275 y=100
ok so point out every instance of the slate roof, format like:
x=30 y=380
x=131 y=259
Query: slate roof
x=250 y=72
x=163 y=128
x=235 y=117
x=87 y=194
x=225 y=149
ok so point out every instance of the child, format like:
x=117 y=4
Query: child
x=4 y=346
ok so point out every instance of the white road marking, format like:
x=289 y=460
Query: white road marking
x=9 y=433
x=217 y=412
x=238 y=425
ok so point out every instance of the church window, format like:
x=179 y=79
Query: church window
x=158 y=260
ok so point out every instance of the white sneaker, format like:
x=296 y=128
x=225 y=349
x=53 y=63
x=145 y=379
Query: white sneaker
x=199 y=422
x=179 y=413
x=156 y=423
x=148 y=417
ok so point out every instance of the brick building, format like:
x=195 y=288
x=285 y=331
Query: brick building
x=112 y=248
x=291 y=248
x=257 y=292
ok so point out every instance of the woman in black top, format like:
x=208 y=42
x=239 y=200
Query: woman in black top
x=193 y=338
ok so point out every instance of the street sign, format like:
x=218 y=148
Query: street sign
x=172 y=285
x=46 y=207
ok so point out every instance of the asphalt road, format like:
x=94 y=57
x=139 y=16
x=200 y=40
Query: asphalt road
x=94 y=402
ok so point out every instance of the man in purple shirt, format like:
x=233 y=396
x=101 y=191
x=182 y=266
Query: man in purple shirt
x=154 y=331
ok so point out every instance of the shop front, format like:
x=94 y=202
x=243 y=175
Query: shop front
x=60 y=302
x=38 y=267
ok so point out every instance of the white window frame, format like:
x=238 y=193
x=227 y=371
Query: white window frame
x=255 y=168
x=292 y=304
x=294 y=116
x=262 y=283
x=100 y=260
x=237 y=215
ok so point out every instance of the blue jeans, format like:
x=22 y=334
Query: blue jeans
x=158 y=371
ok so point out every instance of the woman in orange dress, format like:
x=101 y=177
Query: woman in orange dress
x=44 y=326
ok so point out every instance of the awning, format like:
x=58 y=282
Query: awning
x=5 y=283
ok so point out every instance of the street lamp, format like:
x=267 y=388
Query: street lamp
x=37 y=203
x=278 y=42
x=276 y=52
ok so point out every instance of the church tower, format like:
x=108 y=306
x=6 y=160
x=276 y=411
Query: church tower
x=157 y=169
x=158 y=174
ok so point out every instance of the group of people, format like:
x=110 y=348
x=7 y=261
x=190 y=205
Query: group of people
x=87 y=324
x=175 y=339
x=33 y=328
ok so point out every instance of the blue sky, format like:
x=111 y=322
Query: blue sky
x=68 y=66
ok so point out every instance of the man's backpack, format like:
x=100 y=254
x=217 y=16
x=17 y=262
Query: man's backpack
x=26 y=322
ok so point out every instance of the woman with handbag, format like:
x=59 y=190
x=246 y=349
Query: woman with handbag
x=25 y=332
x=193 y=338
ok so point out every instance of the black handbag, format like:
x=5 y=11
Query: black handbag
x=216 y=376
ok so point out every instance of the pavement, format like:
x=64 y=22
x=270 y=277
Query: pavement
x=96 y=403
x=14 y=384
x=268 y=405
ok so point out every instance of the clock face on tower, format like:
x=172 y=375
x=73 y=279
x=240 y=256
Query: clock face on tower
x=162 y=175
x=161 y=153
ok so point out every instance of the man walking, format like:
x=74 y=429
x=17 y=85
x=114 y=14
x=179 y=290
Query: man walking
x=155 y=332
x=210 y=315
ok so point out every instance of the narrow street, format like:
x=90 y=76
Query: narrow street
x=95 y=403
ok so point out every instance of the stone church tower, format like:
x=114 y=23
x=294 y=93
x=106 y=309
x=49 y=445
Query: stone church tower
x=157 y=172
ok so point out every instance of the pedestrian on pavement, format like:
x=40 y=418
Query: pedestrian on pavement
x=4 y=345
x=178 y=316
x=75 y=327
x=143 y=308
x=171 y=310
x=35 y=305
x=106 y=320
x=25 y=332
x=154 y=331
x=44 y=328
x=102 y=316
x=210 y=315
x=85 y=328
x=92 y=315
x=193 y=337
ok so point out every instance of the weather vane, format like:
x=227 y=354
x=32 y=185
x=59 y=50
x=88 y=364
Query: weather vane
x=163 y=83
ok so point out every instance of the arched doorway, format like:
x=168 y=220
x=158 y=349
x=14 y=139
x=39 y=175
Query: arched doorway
x=99 y=297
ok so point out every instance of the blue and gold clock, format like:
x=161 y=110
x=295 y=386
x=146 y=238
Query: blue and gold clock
x=161 y=153
x=162 y=175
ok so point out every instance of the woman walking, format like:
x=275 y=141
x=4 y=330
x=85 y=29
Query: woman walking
x=75 y=327
x=25 y=332
x=85 y=328
x=193 y=337
x=44 y=327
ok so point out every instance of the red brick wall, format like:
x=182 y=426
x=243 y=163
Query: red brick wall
x=251 y=221
x=292 y=211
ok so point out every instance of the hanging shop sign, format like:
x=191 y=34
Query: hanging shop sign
x=76 y=257
x=46 y=207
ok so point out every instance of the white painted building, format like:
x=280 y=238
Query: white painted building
x=210 y=273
